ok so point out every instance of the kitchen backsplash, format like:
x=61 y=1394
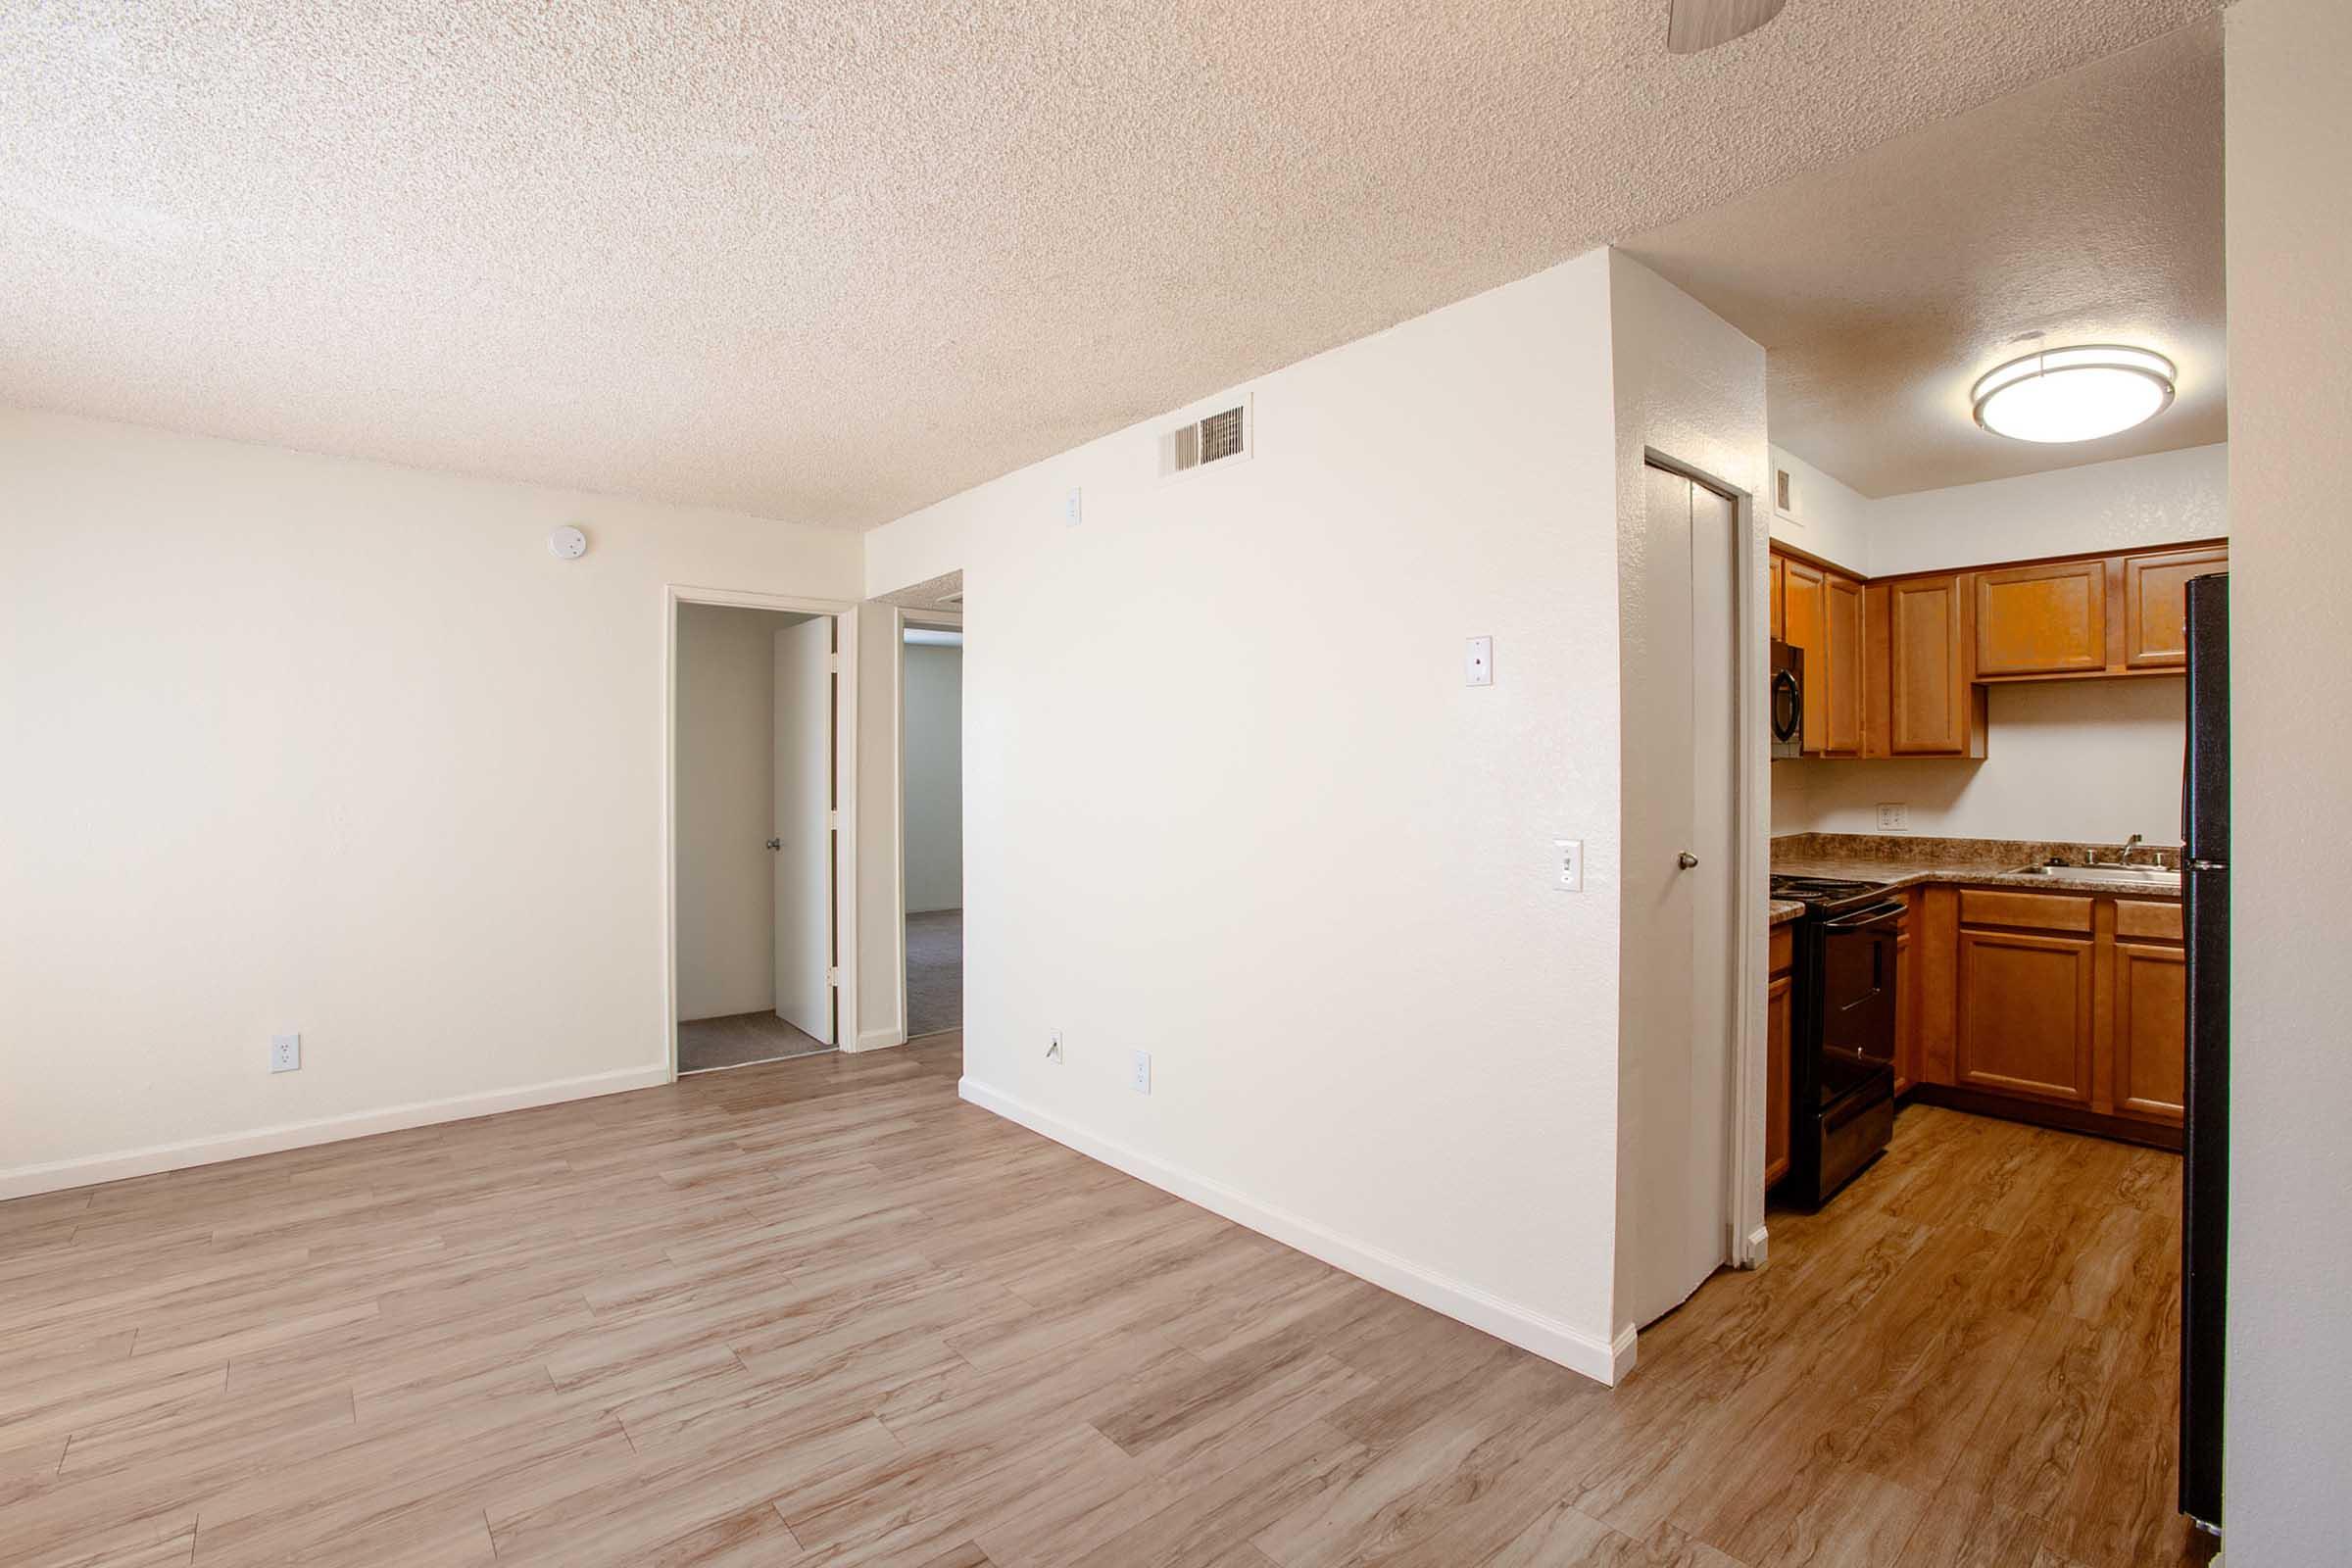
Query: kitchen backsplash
x=1913 y=849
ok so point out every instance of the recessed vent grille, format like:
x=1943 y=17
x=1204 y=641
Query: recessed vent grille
x=1219 y=437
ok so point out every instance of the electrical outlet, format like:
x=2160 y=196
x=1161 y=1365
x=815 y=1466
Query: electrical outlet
x=1141 y=1081
x=1895 y=816
x=1054 y=1051
x=1073 y=508
x=286 y=1052
x=1568 y=864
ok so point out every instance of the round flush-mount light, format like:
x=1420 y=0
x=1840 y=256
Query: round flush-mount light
x=2076 y=394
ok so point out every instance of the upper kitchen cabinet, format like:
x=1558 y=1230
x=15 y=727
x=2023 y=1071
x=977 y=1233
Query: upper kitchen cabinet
x=1928 y=703
x=1843 y=634
x=2048 y=619
x=1804 y=615
x=1778 y=598
x=2155 y=602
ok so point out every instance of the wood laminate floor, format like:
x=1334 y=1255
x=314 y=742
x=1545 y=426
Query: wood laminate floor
x=820 y=1312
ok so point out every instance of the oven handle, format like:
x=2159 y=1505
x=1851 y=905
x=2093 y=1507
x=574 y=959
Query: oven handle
x=1878 y=916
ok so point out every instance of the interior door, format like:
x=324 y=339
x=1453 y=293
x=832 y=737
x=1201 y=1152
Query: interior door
x=1681 y=789
x=802 y=826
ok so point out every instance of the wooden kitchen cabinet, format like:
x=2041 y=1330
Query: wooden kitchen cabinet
x=2066 y=1008
x=1932 y=706
x=2155 y=613
x=1777 y=597
x=1842 y=634
x=2047 y=620
x=1780 y=1036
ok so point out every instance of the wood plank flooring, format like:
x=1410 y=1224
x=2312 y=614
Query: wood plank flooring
x=822 y=1313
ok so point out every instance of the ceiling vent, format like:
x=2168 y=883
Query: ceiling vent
x=1225 y=436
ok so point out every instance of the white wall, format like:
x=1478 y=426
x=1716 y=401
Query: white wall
x=881 y=937
x=2094 y=760
x=1263 y=831
x=726 y=886
x=301 y=743
x=1688 y=387
x=2290 y=336
x=2164 y=498
x=1830 y=521
x=934 y=832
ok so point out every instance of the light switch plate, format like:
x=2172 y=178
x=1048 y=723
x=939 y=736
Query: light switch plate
x=1895 y=816
x=1478 y=666
x=1568 y=864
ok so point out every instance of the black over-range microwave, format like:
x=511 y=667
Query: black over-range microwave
x=1787 y=700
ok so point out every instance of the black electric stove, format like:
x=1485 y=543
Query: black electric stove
x=1841 y=1048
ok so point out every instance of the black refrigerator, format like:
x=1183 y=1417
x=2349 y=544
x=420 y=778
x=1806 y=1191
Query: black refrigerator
x=2205 y=1174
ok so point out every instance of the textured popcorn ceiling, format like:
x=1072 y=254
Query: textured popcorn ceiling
x=826 y=263
x=2087 y=208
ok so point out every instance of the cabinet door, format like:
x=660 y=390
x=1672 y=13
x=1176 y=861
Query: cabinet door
x=2042 y=620
x=2149 y=1030
x=1779 y=1018
x=1777 y=594
x=1841 y=631
x=2155 y=604
x=1929 y=698
x=2025 y=1023
x=1804 y=613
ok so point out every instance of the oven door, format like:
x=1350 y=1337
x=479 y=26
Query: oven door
x=1857 y=986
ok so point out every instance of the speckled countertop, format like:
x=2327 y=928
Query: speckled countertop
x=1903 y=861
x=1784 y=911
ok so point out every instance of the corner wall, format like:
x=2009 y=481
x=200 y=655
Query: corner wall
x=336 y=747
x=2289 y=1400
x=934 y=817
x=1262 y=829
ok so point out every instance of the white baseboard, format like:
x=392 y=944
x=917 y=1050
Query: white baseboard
x=878 y=1040
x=1525 y=1327
x=25 y=1180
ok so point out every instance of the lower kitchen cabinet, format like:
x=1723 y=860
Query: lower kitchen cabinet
x=1779 y=1009
x=2061 y=1008
x=2025 y=1025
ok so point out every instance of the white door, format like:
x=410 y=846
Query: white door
x=803 y=834
x=1680 y=792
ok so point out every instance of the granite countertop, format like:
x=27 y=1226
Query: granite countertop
x=1903 y=862
x=1784 y=911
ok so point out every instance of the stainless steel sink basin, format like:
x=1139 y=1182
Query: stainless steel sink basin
x=2149 y=876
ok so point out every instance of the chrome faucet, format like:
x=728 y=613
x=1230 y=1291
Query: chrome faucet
x=2129 y=844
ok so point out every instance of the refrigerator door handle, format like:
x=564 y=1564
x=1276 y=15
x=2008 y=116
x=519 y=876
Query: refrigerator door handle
x=2209 y=865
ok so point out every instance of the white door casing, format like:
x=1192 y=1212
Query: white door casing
x=803 y=803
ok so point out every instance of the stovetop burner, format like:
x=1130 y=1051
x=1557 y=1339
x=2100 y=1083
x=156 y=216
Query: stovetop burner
x=1818 y=887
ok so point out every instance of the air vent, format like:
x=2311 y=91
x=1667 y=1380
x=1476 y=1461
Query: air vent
x=1784 y=494
x=1211 y=439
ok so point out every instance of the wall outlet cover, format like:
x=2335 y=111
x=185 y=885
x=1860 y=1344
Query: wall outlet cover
x=1478 y=662
x=1895 y=816
x=286 y=1052
x=1073 y=508
x=1140 y=1080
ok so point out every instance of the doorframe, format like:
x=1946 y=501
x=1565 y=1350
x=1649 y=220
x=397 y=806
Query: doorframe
x=942 y=620
x=844 y=783
x=1748 y=1241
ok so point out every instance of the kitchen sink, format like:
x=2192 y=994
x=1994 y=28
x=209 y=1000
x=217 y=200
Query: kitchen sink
x=2152 y=876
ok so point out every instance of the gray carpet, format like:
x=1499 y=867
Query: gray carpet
x=934 y=972
x=739 y=1037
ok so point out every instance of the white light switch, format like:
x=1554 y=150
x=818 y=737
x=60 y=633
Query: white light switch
x=1478 y=667
x=1568 y=864
x=1895 y=816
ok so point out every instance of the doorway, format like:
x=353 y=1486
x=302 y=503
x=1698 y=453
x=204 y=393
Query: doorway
x=757 y=833
x=931 y=812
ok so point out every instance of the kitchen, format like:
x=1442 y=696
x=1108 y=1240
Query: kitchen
x=1997 y=605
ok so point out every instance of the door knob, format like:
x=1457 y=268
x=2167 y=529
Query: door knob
x=775 y=844
x=1685 y=859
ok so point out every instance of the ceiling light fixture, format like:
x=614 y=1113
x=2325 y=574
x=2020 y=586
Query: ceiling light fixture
x=2076 y=394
